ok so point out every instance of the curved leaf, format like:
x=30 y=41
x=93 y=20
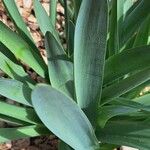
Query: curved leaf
x=143 y=33
x=64 y=118
x=134 y=134
x=16 y=91
x=16 y=17
x=125 y=85
x=60 y=70
x=7 y=134
x=43 y=19
x=126 y=62
x=53 y=11
x=24 y=114
x=22 y=50
x=89 y=53
x=133 y=20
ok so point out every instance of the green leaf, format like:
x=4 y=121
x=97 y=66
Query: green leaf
x=64 y=118
x=66 y=23
x=143 y=33
x=16 y=91
x=134 y=134
x=77 y=4
x=53 y=11
x=43 y=19
x=8 y=134
x=113 y=41
x=138 y=59
x=120 y=106
x=125 y=85
x=108 y=112
x=63 y=146
x=22 y=50
x=143 y=99
x=89 y=54
x=133 y=20
x=71 y=38
x=14 y=70
x=21 y=27
x=12 y=121
x=60 y=69
x=15 y=16
x=24 y=114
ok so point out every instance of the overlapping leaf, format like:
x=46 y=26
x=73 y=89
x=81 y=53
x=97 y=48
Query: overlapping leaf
x=22 y=50
x=64 y=118
x=89 y=53
x=60 y=69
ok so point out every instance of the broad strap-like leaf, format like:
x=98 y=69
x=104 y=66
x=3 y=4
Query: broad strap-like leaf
x=125 y=62
x=53 y=11
x=143 y=99
x=20 y=25
x=64 y=118
x=108 y=112
x=8 y=134
x=143 y=33
x=24 y=114
x=123 y=86
x=43 y=19
x=134 y=134
x=77 y=4
x=22 y=50
x=113 y=42
x=60 y=69
x=89 y=53
x=120 y=107
x=16 y=91
x=15 y=16
x=14 y=69
x=136 y=91
x=134 y=19
x=12 y=121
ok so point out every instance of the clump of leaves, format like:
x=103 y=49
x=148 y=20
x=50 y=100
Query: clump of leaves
x=91 y=96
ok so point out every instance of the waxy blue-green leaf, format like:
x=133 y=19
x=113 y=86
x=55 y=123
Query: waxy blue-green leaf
x=9 y=134
x=125 y=62
x=62 y=116
x=15 y=16
x=134 y=134
x=24 y=114
x=60 y=69
x=53 y=11
x=89 y=53
x=43 y=19
x=16 y=91
x=119 y=88
x=22 y=50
